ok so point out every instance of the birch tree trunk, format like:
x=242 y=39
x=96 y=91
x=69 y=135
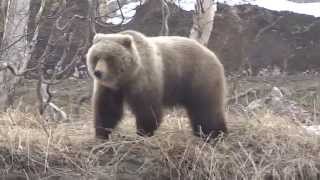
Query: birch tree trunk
x=203 y=20
x=3 y=9
x=14 y=48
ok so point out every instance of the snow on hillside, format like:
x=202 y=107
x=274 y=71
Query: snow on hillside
x=277 y=5
x=284 y=5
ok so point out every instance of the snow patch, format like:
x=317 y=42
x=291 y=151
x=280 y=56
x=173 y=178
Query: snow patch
x=128 y=10
x=313 y=129
x=276 y=5
x=284 y=5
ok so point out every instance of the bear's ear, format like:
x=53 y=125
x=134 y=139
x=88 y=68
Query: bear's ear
x=98 y=37
x=126 y=41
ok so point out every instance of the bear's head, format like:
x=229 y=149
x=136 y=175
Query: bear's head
x=112 y=60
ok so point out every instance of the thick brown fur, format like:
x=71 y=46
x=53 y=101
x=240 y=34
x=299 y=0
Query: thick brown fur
x=152 y=72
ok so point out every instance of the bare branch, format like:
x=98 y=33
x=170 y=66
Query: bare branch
x=106 y=25
x=40 y=96
x=80 y=52
x=5 y=66
x=25 y=70
x=264 y=29
x=66 y=27
x=14 y=43
x=44 y=96
x=165 y=16
x=203 y=20
x=92 y=15
x=120 y=8
x=39 y=14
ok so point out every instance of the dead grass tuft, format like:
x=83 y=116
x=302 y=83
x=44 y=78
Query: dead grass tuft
x=264 y=147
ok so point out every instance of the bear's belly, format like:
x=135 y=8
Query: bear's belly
x=174 y=95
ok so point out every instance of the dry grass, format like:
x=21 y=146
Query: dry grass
x=264 y=147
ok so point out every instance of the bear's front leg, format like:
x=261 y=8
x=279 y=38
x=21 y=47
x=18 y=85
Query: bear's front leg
x=148 y=119
x=148 y=113
x=107 y=109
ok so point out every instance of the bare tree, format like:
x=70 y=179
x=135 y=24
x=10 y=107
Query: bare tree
x=66 y=27
x=203 y=20
x=165 y=16
x=3 y=9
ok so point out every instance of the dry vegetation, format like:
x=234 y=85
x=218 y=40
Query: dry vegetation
x=265 y=147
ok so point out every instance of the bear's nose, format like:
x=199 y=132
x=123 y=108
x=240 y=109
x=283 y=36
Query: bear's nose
x=98 y=74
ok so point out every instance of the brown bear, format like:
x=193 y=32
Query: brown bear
x=149 y=73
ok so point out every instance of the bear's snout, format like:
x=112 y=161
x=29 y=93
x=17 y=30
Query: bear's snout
x=100 y=69
x=98 y=74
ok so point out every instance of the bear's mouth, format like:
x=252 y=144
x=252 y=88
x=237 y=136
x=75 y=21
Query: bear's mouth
x=108 y=84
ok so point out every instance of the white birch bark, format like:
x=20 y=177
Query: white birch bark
x=203 y=21
x=14 y=42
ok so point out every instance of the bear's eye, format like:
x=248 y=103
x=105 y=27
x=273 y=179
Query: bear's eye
x=110 y=58
x=122 y=69
x=95 y=59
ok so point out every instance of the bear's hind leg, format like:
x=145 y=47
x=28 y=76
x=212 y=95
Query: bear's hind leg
x=108 y=110
x=206 y=119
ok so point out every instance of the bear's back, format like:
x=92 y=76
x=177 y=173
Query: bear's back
x=185 y=63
